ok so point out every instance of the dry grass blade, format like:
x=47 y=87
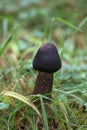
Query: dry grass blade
x=23 y=99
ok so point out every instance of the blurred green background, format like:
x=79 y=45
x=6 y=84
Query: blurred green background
x=34 y=16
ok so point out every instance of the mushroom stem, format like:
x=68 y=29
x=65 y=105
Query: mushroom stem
x=44 y=83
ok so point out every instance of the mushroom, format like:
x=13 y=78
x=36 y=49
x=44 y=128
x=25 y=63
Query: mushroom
x=46 y=61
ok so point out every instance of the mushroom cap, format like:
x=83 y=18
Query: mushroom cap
x=47 y=59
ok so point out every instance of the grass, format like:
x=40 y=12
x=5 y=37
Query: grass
x=17 y=77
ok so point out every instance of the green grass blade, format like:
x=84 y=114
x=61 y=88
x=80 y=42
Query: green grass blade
x=61 y=20
x=23 y=99
x=65 y=113
x=84 y=21
x=44 y=114
x=5 y=45
x=65 y=22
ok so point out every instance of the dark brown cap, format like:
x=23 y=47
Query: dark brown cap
x=47 y=59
